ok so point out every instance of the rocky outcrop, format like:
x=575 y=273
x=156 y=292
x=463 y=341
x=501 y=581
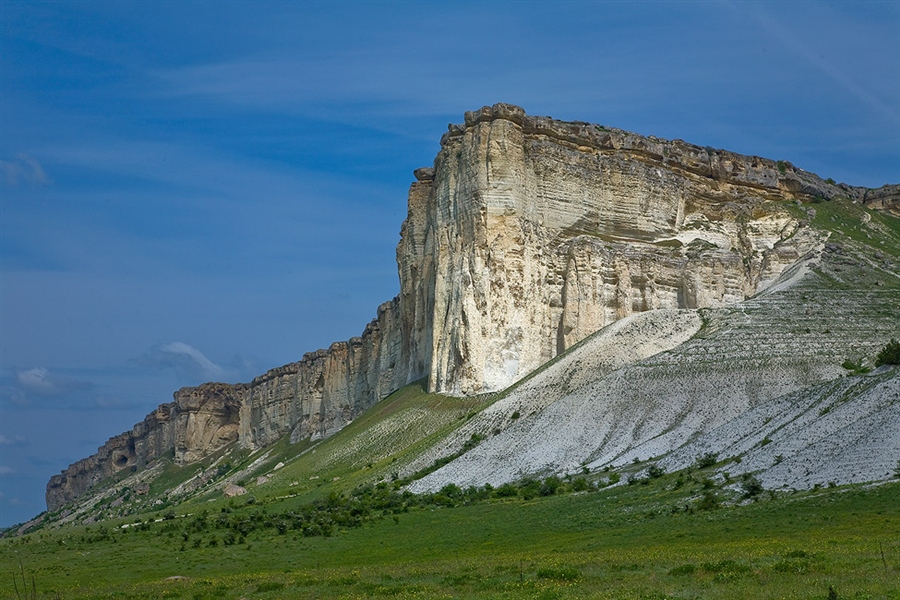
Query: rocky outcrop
x=542 y=232
x=886 y=198
x=132 y=450
x=320 y=394
x=527 y=235
x=206 y=419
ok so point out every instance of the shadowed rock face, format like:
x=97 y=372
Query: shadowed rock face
x=132 y=450
x=526 y=236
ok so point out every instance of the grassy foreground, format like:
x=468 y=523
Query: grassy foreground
x=647 y=540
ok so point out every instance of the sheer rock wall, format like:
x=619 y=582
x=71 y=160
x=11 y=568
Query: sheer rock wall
x=543 y=232
x=527 y=235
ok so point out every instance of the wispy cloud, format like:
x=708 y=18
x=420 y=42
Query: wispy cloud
x=23 y=169
x=16 y=440
x=789 y=38
x=43 y=382
x=4 y=470
x=183 y=358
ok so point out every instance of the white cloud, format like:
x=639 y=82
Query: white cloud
x=37 y=380
x=16 y=440
x=4 y=470
x=24 y=169
x=41 y=381
x=184 y=358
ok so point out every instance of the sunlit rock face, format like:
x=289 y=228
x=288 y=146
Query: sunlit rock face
x=526 y=236
x=541 y=232
x=323 y=392
x=207 y=420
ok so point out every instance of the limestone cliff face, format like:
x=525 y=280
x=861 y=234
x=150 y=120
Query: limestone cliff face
x=312 y=398
x=526 y=236
x=317 y=396
x=542 y=232
x=148 y=440
x=206 y=419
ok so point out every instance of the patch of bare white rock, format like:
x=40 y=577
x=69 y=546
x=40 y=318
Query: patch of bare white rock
x=626 y=395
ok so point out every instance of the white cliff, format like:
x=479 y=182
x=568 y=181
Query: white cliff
x=526 y=236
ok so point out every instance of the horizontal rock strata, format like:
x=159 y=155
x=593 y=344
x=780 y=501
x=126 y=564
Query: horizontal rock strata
x=526 y=236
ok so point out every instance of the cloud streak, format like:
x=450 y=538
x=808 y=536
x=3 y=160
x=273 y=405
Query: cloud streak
x=23 y=169
x=16 y=440
x=184 y=359
x=790 y=40
x=42 y=382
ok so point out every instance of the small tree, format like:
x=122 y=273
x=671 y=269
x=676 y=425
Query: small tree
x=655 y=472
x=707 y=460
x=751 y=486
x=889 y=355
x=708 y=501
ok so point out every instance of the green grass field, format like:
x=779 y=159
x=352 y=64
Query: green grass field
x=646 y=540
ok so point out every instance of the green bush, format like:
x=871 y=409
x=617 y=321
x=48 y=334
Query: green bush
x=707 y=460
x=709 y=501
x=655 y=472
x=855 y=367
x=889 y=355
x=580 y=484
x=751 y=485
x=507 y=490
x=550 y=486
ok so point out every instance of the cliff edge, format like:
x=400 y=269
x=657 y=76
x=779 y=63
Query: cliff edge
x=526 y=236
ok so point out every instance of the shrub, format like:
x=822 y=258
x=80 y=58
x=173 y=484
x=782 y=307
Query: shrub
x=709 y=501
x=507 y=490
x=855 y=367
x=529 y=488
x=707 y=460
x=889 y=355
x=550 y=486
x=655 y=472
x=473 y=441
x=580 y=484
x=751 y=485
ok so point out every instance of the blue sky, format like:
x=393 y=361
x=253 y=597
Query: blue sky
x=193 y=191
